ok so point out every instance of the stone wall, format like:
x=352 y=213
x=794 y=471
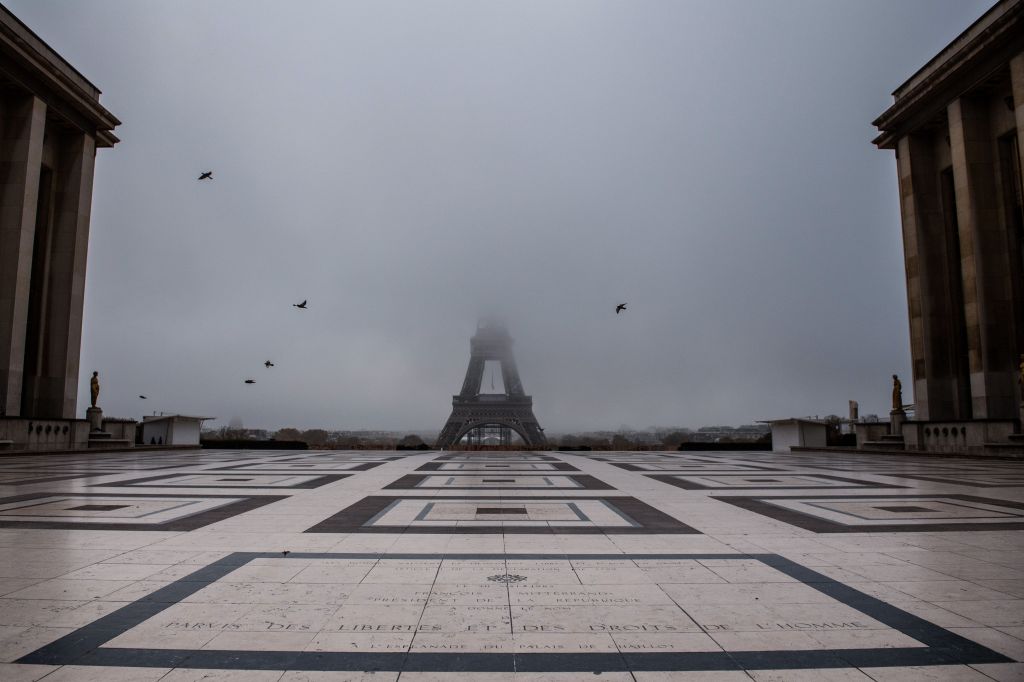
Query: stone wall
x=17 y=433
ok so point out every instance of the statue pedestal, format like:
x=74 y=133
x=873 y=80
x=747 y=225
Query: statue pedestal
x=896 y=419
x=95 y=417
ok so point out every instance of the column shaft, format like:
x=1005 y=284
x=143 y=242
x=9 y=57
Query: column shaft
x=22 y=122
x=985 y=263
x=55 y=393
x=1017 y=89
x=941 y=379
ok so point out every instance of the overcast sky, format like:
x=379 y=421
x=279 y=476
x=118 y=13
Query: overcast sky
x=410 y=166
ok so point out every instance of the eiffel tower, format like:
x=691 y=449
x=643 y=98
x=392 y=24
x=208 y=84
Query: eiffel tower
x=474 y=413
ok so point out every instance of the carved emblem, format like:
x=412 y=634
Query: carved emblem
x=506 y=578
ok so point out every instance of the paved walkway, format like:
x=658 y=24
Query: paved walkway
x=257 y=565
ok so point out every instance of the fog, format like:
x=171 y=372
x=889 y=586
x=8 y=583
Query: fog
x=408 y=167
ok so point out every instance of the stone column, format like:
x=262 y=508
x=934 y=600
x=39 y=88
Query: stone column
x=934 y=323
x=1017 y=88
x=985 y=263
x=58 y=386
x=22 y=122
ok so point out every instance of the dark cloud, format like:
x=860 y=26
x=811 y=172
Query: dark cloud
x=410 y=166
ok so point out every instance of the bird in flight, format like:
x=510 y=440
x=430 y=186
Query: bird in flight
x=206 y=175
x=250 y=381
x=619 y=308
x=268 y=364
x=143 y=397
x=300 y=305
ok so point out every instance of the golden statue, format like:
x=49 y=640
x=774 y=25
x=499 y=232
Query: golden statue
x=94 y=387
x=897 y=393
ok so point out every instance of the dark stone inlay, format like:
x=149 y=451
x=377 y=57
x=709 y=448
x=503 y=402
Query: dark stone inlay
x=95 y=468
x=500 y=510
x=688 y=467
x=191 y=522
x=499 y=456
x=99 y=507
x=549 y=467
x=970 y=480
x=763 y=506
x=288 y=467
x=84 y=646
x=583 y=482
x=647 y=519
x=314 y=482
x=50 y=479
x=374 y=460
x=906 y=509
x=744 y=482
x=499 y=480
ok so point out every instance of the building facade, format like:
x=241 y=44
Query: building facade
x=955 y=127
x=51 y=124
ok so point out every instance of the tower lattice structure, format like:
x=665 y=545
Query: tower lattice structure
x=472 y=409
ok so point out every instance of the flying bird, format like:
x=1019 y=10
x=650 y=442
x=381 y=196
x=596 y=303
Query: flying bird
x=300 y=305
x=206 y=175
x=619 y=308
x=143 y=397
x=268 y=364
x=250 y=381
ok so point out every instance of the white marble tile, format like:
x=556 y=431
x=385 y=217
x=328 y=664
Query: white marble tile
x=14 y=672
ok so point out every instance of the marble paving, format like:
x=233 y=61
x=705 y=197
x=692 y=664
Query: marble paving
x=288 y=566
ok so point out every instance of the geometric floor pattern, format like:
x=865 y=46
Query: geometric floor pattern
x=886 y=513
x=122 y=512
x=451 y=514
x=362 y=565
x=233 y=480
x=504 y=480
x=763 y=481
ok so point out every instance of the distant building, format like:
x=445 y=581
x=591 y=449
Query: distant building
x=715 y=434
x=171 y=429
x=795 y=432
x=51 y=123
x=955 y=127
